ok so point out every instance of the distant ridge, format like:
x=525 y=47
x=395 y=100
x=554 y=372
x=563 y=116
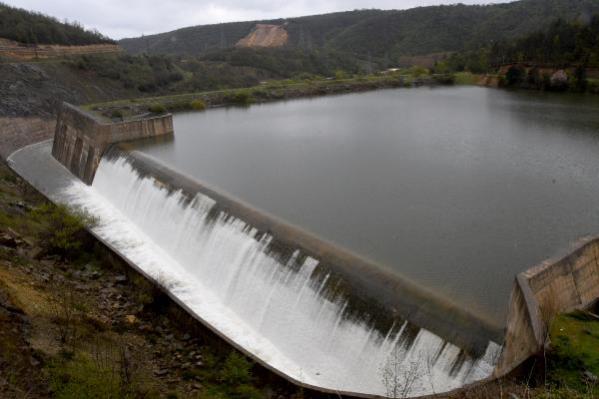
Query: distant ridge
x=378 y=33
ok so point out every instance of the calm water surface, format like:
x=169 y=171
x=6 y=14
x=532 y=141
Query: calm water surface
x=458 y=189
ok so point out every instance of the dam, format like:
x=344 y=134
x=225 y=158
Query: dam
x=296 y=295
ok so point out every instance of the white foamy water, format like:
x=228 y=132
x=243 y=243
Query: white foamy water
x=221 y=268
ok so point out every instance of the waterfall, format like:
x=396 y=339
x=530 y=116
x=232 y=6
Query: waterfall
x=282 y=308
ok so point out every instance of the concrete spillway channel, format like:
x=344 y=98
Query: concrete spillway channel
x=313 y=313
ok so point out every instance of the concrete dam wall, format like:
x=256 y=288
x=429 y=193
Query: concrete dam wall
x=82 y=137
x=541 y=293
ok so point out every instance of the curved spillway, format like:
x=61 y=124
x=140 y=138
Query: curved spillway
x=283 y=306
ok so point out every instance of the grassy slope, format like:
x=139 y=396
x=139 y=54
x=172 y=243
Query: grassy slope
x=575 y=340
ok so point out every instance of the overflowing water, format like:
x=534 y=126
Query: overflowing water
x=277 y=308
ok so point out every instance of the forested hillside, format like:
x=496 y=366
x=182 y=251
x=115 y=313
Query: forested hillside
x=34 y=28
x=564 y=43
x=382 y=36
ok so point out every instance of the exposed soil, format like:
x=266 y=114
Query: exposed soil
x=265 y=35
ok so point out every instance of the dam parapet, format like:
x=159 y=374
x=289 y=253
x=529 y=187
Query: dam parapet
x=541 y=293
x=81 y=138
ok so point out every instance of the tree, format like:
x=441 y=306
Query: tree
x=399 y=374
x=515 y=75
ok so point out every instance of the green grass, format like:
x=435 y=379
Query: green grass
x=84 y=378
x=575 y=349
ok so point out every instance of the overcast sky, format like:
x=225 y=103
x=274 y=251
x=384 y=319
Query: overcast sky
x=129 y=18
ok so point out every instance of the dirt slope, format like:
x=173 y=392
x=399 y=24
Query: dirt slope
x=265 y=36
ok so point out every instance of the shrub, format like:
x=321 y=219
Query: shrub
x=157 y=109
x=248 y=392
x=446 y=79
x=515 y=75
x=579 y=80
x=241 y=97
x=83 y=378
x=236 y=370
x=418 y=71
x=341 y=75
x=117 y=114
x=178 y=105
x=198 y=105
x=62 y=229
x=465 y=78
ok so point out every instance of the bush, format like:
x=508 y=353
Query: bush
x=248 y=392
x=83 y=378
x=445 y=79
x=62 y=230
x=198 y=105
x=579 y=80
x=178 y=105
x=242 y=97
x=341 y=75
x=117 y=114
x=236 y=370
x=418 y=71
x=157 y=109
x=515 y=76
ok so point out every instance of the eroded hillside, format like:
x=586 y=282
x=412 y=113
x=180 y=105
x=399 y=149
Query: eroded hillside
x=265 y=35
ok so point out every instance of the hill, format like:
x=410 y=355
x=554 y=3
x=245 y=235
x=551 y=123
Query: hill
x=384 y=36
x=305 y=32
x=34 y=28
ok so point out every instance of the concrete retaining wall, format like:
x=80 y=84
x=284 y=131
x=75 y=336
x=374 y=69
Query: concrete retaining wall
x=81 y=138
x=541 y=293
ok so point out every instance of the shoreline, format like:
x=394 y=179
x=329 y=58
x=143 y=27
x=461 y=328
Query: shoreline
x=265 y=93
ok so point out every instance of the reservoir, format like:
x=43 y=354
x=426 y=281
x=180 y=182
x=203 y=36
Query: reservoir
x=456 y=189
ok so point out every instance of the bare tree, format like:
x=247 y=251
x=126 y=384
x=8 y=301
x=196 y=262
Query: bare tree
x=65 y=313
x=399 y=374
